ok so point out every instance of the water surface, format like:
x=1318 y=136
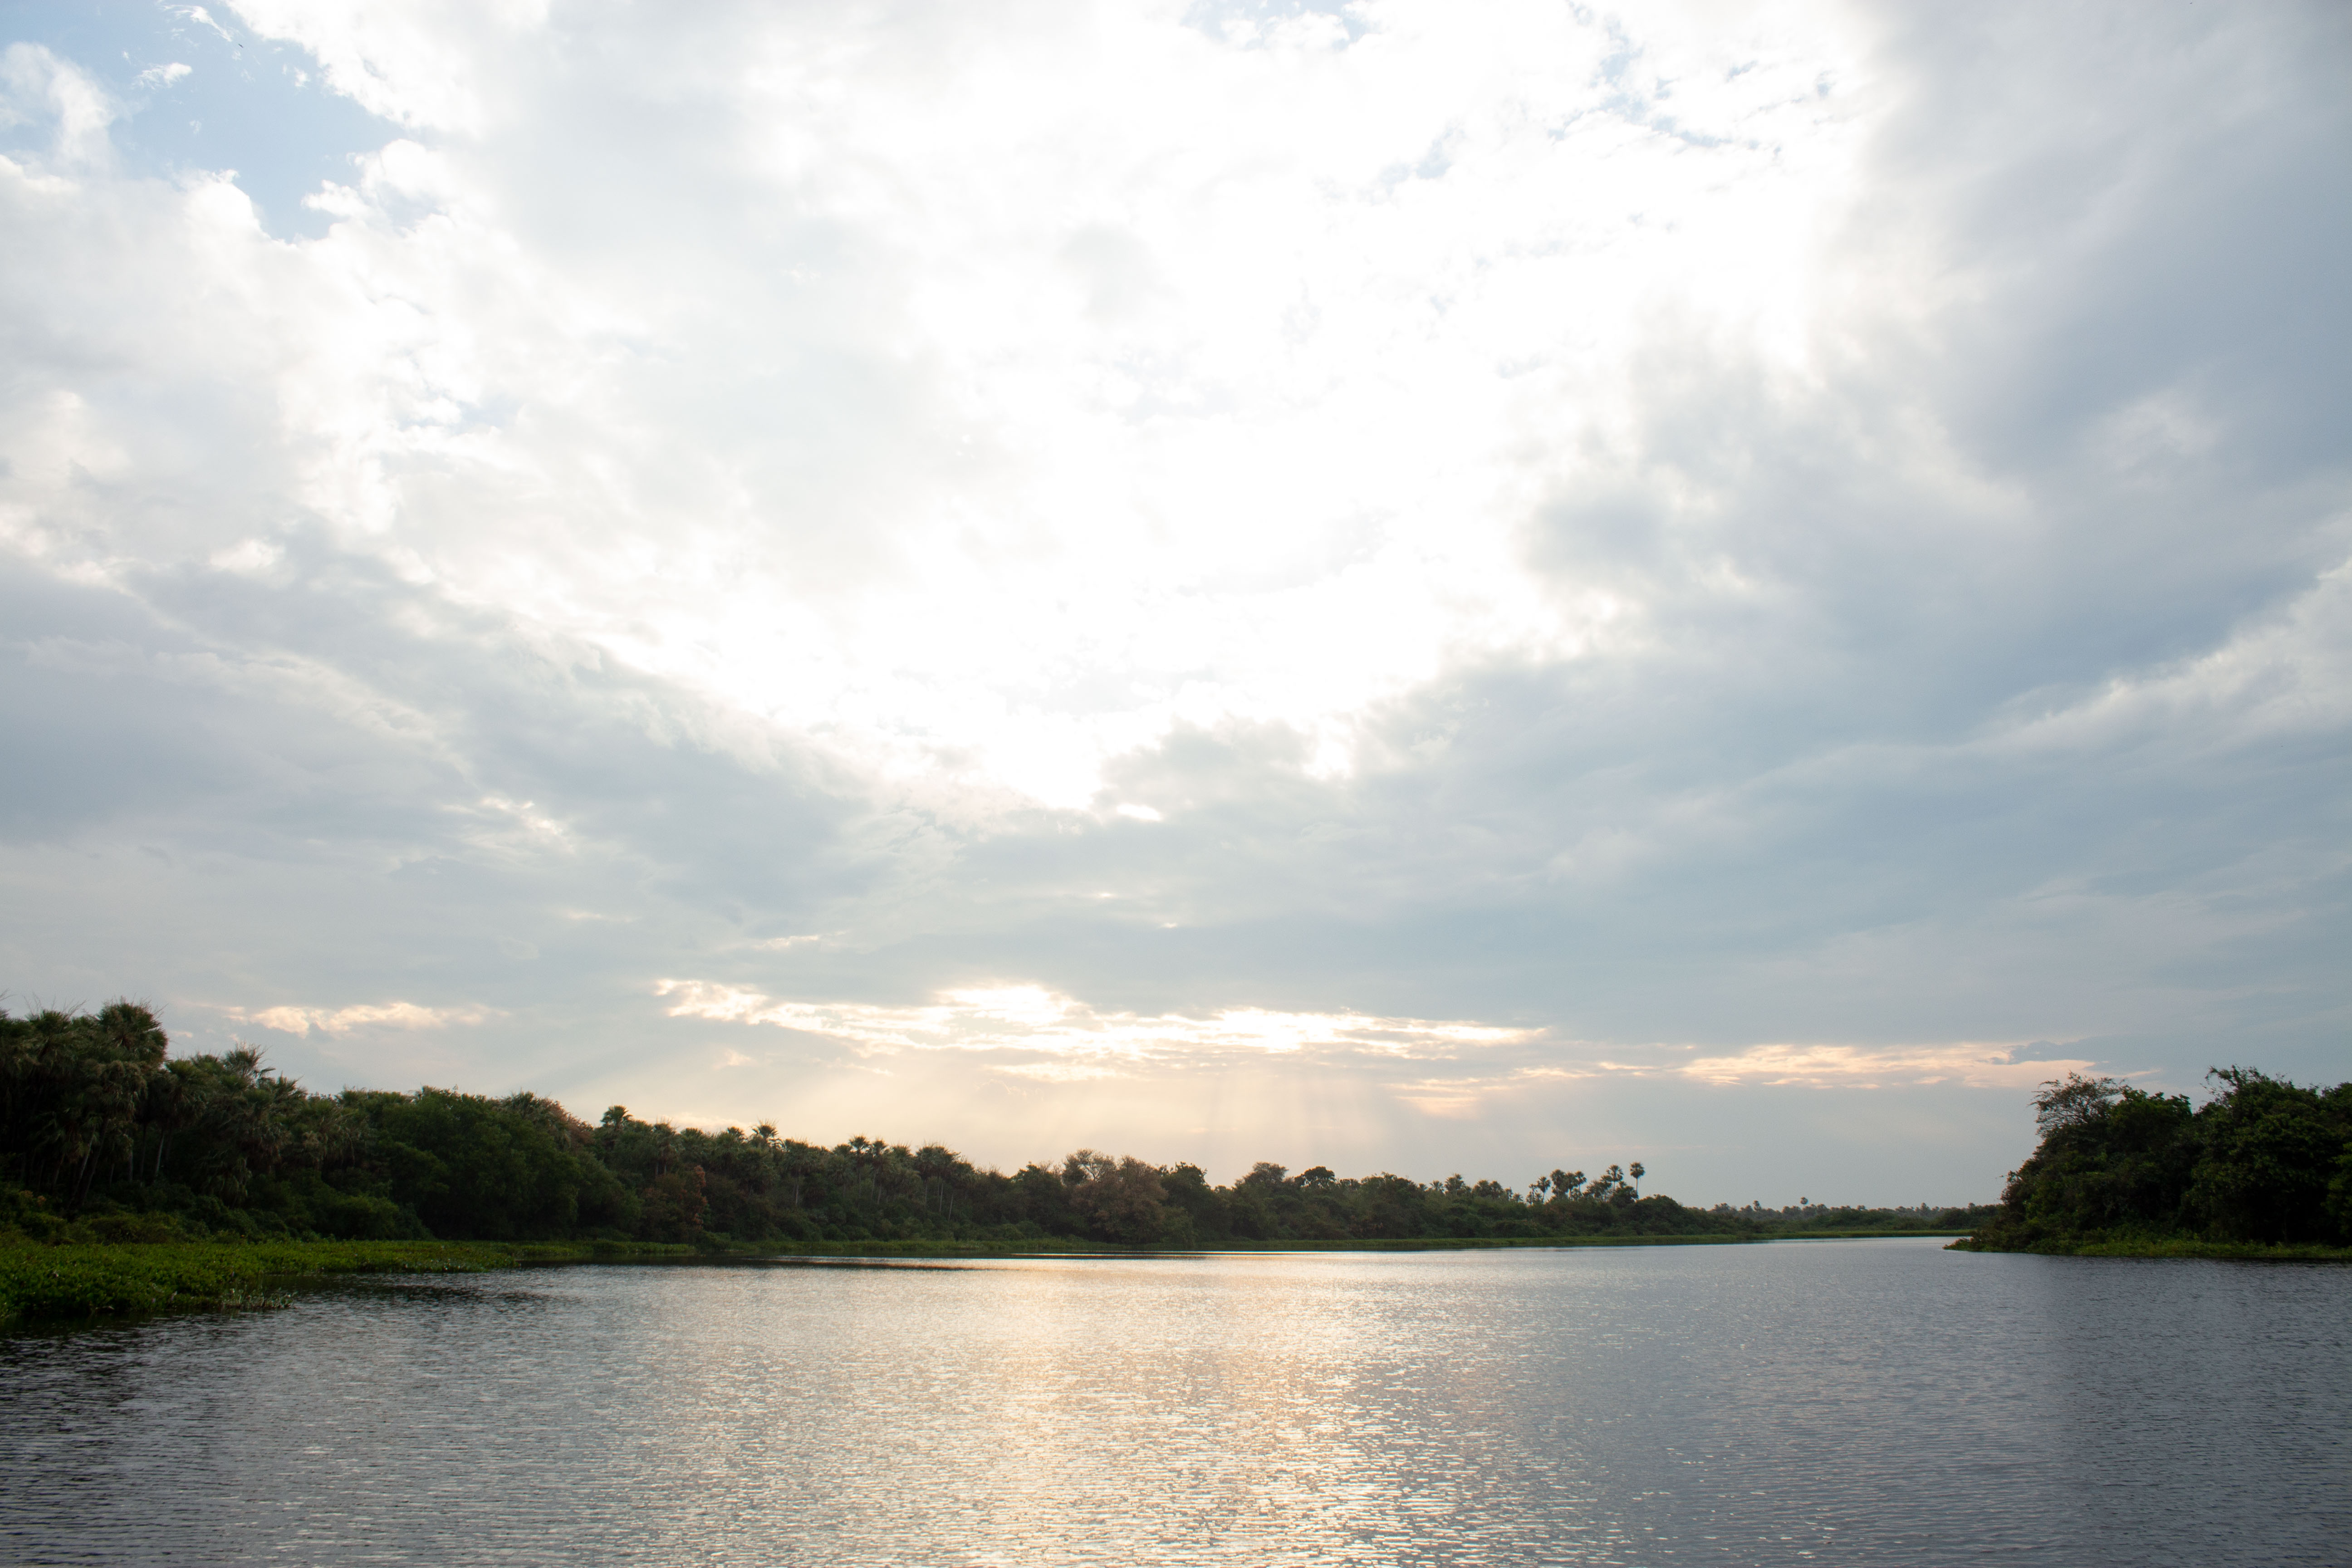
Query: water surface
x=1870 y=1402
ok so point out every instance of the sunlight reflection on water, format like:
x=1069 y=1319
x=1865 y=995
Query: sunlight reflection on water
x=1856 y=1402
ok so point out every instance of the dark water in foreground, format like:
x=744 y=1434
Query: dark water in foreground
x=1881 y=1403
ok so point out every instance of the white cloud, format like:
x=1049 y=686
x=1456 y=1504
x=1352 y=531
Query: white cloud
x=201 y=18
x=1281 y=482
x=37 y=88
x=1977 y=1064
x=1032 y=1018
x=359 y=1016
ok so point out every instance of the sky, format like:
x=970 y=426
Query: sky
x=1400 y=585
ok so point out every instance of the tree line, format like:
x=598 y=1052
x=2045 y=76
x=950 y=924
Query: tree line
x=104 y=1134
x=2261 y=1162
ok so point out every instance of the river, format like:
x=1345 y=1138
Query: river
x=1863 y=1402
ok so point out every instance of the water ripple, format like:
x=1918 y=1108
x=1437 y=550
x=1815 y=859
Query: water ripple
x=1856 y=1402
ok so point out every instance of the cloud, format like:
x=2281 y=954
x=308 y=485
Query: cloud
x=201 y=18
x=1976 y=1065
x=343 y=1020
x=1072 y=530
x=1057 y=1071
x=1467 y=1098
x=1033 y=1019
x=1276 y=531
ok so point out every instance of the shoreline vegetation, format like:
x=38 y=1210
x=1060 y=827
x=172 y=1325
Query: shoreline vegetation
x=218 y=1174
x=2176 y=1246
x=133 y=1182
x=2262 y=1171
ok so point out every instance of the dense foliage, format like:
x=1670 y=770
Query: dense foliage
x=2262 y=1163
x=102 y=1137
x=90 y=1280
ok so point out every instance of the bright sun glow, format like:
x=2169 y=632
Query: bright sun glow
x=1168 y=417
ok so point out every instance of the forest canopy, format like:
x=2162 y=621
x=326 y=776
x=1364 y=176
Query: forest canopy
x=104 y=1134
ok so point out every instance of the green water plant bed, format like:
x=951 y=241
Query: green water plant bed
x=99 y=1281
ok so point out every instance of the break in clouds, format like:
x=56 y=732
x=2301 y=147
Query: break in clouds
x=1396 y=585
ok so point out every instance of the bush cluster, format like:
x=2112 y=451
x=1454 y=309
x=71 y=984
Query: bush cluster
x=2262 y=1163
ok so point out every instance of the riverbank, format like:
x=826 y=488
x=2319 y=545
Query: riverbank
x=97 y=1280
x=2169 y=1247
